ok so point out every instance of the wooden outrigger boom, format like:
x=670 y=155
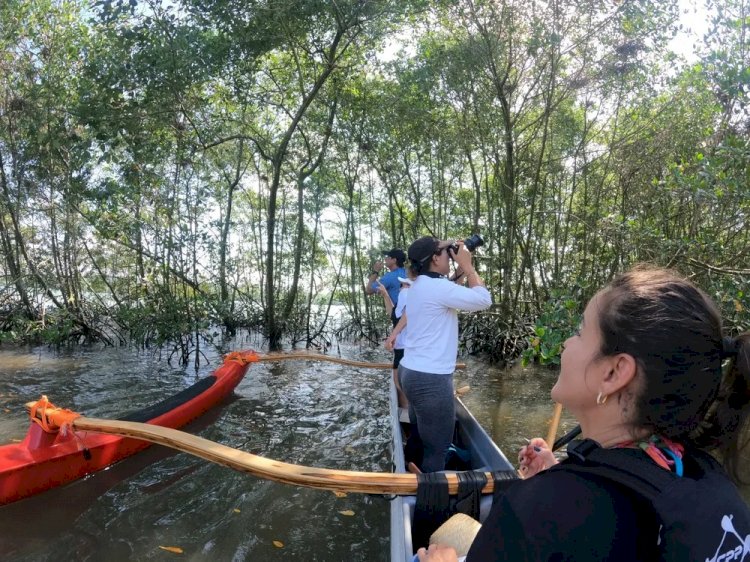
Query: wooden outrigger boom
x=298 y=475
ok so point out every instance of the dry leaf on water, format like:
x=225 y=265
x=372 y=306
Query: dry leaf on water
x=175 y=549
x=278 y=544
x=339 y=494
x=347 y=512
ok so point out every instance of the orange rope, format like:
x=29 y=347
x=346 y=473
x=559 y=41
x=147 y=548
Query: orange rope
x=51 y=418
x=242 y=357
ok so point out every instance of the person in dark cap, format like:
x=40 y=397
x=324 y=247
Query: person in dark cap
x=394 y=262
x=431 y=344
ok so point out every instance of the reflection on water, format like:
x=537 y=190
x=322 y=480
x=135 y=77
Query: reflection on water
x=512 y=404
x=319 y=414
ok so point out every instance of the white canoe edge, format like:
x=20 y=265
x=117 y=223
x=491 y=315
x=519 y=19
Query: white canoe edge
x=486 y=455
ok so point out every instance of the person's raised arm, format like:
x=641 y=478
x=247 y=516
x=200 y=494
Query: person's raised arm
x=371 y=288
x=390 y=340
x=463 y=261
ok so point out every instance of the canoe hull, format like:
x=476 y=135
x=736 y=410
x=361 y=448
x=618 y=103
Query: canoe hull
x=43 y=461
x=485 y=456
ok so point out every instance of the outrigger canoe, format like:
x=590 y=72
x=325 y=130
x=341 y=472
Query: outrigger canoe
x=472 y=444
x=45 y=460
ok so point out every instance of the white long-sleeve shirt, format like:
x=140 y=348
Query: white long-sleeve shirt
x=431 y=344
x=401 y=337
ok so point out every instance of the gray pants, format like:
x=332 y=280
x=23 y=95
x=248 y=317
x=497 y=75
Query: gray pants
x=433 y=410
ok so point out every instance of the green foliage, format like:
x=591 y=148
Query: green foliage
x=58 y=327
x=152 y=152
x=493 y=335
x=559 y=317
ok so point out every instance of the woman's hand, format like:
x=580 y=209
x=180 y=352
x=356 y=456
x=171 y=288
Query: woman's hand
x=535 y=457
x=462 y=258
x=437 y=553
x=388 y=343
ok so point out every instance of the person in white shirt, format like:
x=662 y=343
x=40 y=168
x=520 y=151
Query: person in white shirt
x=431 y=346
x=395 y=341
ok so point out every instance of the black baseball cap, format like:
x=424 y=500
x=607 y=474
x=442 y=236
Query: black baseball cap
x=423 y=249
x=397 y=254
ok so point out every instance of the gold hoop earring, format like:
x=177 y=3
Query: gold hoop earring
x=601 y=399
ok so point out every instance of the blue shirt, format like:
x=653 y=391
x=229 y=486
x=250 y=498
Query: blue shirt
x=391 y=283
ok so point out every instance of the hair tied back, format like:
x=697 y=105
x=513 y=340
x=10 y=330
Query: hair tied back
x=729 y=347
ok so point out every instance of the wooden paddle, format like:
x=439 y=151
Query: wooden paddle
x=554 y=424
x=298 y=475
x=463 y=391
x=322 y=357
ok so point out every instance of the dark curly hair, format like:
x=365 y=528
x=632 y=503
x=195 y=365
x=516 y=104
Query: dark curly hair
x=673 y=331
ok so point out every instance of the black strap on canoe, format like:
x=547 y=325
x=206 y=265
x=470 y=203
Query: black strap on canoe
x=503 y=479
x=470 y=484
x=432 y=507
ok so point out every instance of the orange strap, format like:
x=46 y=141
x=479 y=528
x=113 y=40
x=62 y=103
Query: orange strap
x=51 y=418
x=242 y=357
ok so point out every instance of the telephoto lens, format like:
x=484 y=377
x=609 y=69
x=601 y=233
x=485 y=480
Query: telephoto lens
x=473 y=242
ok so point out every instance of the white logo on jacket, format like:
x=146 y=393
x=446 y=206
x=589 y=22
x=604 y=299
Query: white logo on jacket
x=736 y=554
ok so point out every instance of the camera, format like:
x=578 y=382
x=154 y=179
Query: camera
x=472 y=243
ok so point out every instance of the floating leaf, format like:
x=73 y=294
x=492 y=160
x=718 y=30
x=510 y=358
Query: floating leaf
x=175 y=549
x=339 y=494
x=278 y=544
x=236 y=510
x=347 y=512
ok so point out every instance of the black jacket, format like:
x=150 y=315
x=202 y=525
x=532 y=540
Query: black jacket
x=618 y=505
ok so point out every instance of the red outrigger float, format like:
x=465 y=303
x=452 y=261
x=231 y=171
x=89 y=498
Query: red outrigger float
x=46 y=460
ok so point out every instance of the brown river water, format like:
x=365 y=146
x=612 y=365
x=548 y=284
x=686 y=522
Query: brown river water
x=320 y=414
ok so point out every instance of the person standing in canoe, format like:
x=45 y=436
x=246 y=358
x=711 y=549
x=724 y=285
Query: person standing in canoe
x=389 y=286
x=395 y=341
x=431 y=345
x=394 y=262
x=657 y=389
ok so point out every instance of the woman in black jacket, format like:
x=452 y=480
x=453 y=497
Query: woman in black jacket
x=656 y=387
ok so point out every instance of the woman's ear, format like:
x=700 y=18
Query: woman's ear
x=622 y=369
